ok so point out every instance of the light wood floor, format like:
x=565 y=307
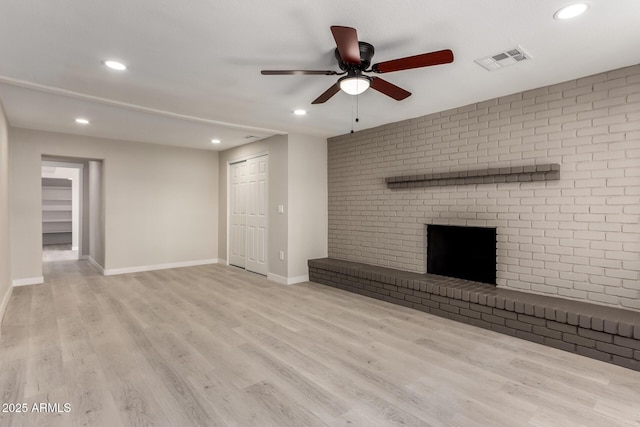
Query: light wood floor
x=217 y=346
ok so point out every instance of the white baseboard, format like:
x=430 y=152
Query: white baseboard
x=74 y=248
x=94 y=263
x=298 y=279
x=138 y=269
x=3 y=305
x=28 y=281
x=222 y=261
x=276 y=278
x=287 y=280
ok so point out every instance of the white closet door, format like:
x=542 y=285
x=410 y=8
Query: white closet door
x=238 y=214
x=257 y=173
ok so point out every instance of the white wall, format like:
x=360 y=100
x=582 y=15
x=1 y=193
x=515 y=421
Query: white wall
x=308 y=212
x=160 y=202
x=5 y=249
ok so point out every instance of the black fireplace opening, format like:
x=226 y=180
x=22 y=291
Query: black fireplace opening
x=462 y=252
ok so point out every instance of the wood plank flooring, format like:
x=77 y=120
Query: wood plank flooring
x=216 y=346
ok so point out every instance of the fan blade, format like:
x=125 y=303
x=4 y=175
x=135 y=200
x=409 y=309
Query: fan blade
x=297 y=73
x=327 y=94
x=389 y=89
x=347 y=41
x=417 y=61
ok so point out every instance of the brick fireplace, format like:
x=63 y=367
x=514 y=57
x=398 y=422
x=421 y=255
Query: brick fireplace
x=573 y=235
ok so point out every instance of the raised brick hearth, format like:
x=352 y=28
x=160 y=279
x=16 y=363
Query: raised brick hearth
x=603 y=333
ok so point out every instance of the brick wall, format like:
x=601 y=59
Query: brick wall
x=578 y=237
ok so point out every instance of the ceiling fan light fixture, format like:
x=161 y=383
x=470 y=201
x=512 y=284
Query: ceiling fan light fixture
x=354 y=85
x=571 y=11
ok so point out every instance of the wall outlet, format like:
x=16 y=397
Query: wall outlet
x=281 y=255
x=280 y=209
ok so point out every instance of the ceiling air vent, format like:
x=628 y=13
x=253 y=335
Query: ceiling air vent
x=503 y=59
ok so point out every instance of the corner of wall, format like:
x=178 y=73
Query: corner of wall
x=5 y=229
x=4 y=304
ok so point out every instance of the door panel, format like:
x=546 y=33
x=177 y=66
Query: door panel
x=238 y=214
x=256 y=219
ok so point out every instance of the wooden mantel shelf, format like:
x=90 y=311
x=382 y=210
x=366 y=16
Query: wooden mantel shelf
x=542 y=172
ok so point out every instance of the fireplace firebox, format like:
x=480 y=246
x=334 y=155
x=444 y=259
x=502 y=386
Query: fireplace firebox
x=462 y=252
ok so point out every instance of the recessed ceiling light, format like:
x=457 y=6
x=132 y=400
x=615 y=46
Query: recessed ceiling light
x=115 y=65
x=82 y=121
x=571 y=11
x=300 y=112
x=215 y=141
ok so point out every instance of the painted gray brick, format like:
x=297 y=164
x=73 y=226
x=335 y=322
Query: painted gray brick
x=504 y=313
x=576 y=339
x=626 y=342
x=503 y=329
x=594 y=335
x=519 y=325
x=562 y=327
x=530 y=337
x=551 y=342
x=531 y=320
x=614 y=349
x=493 y=319
x=546 y=332
x=470 y=313
x=481 y=308
x=594 y=354
x=433 y=149
x=627 y=363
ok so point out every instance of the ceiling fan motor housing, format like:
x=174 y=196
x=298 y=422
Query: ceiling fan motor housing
x=366 y=53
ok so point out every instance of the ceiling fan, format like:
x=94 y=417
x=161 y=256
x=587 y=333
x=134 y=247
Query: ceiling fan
x=354 y=57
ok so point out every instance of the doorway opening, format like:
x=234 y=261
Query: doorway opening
x=61 y=203
x=248 y=208
x=72 y=210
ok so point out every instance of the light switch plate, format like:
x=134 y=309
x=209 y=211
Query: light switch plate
x=281 y=209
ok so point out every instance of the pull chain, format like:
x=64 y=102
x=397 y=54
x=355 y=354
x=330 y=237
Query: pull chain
x=352 y=115
x=357 y=110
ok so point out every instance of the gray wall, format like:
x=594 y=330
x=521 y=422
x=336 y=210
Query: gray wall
x=160 y=202
x=5 y=249
x=578 y=237
x=277 y=147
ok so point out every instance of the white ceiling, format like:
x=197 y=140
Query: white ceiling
x=194 y=67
